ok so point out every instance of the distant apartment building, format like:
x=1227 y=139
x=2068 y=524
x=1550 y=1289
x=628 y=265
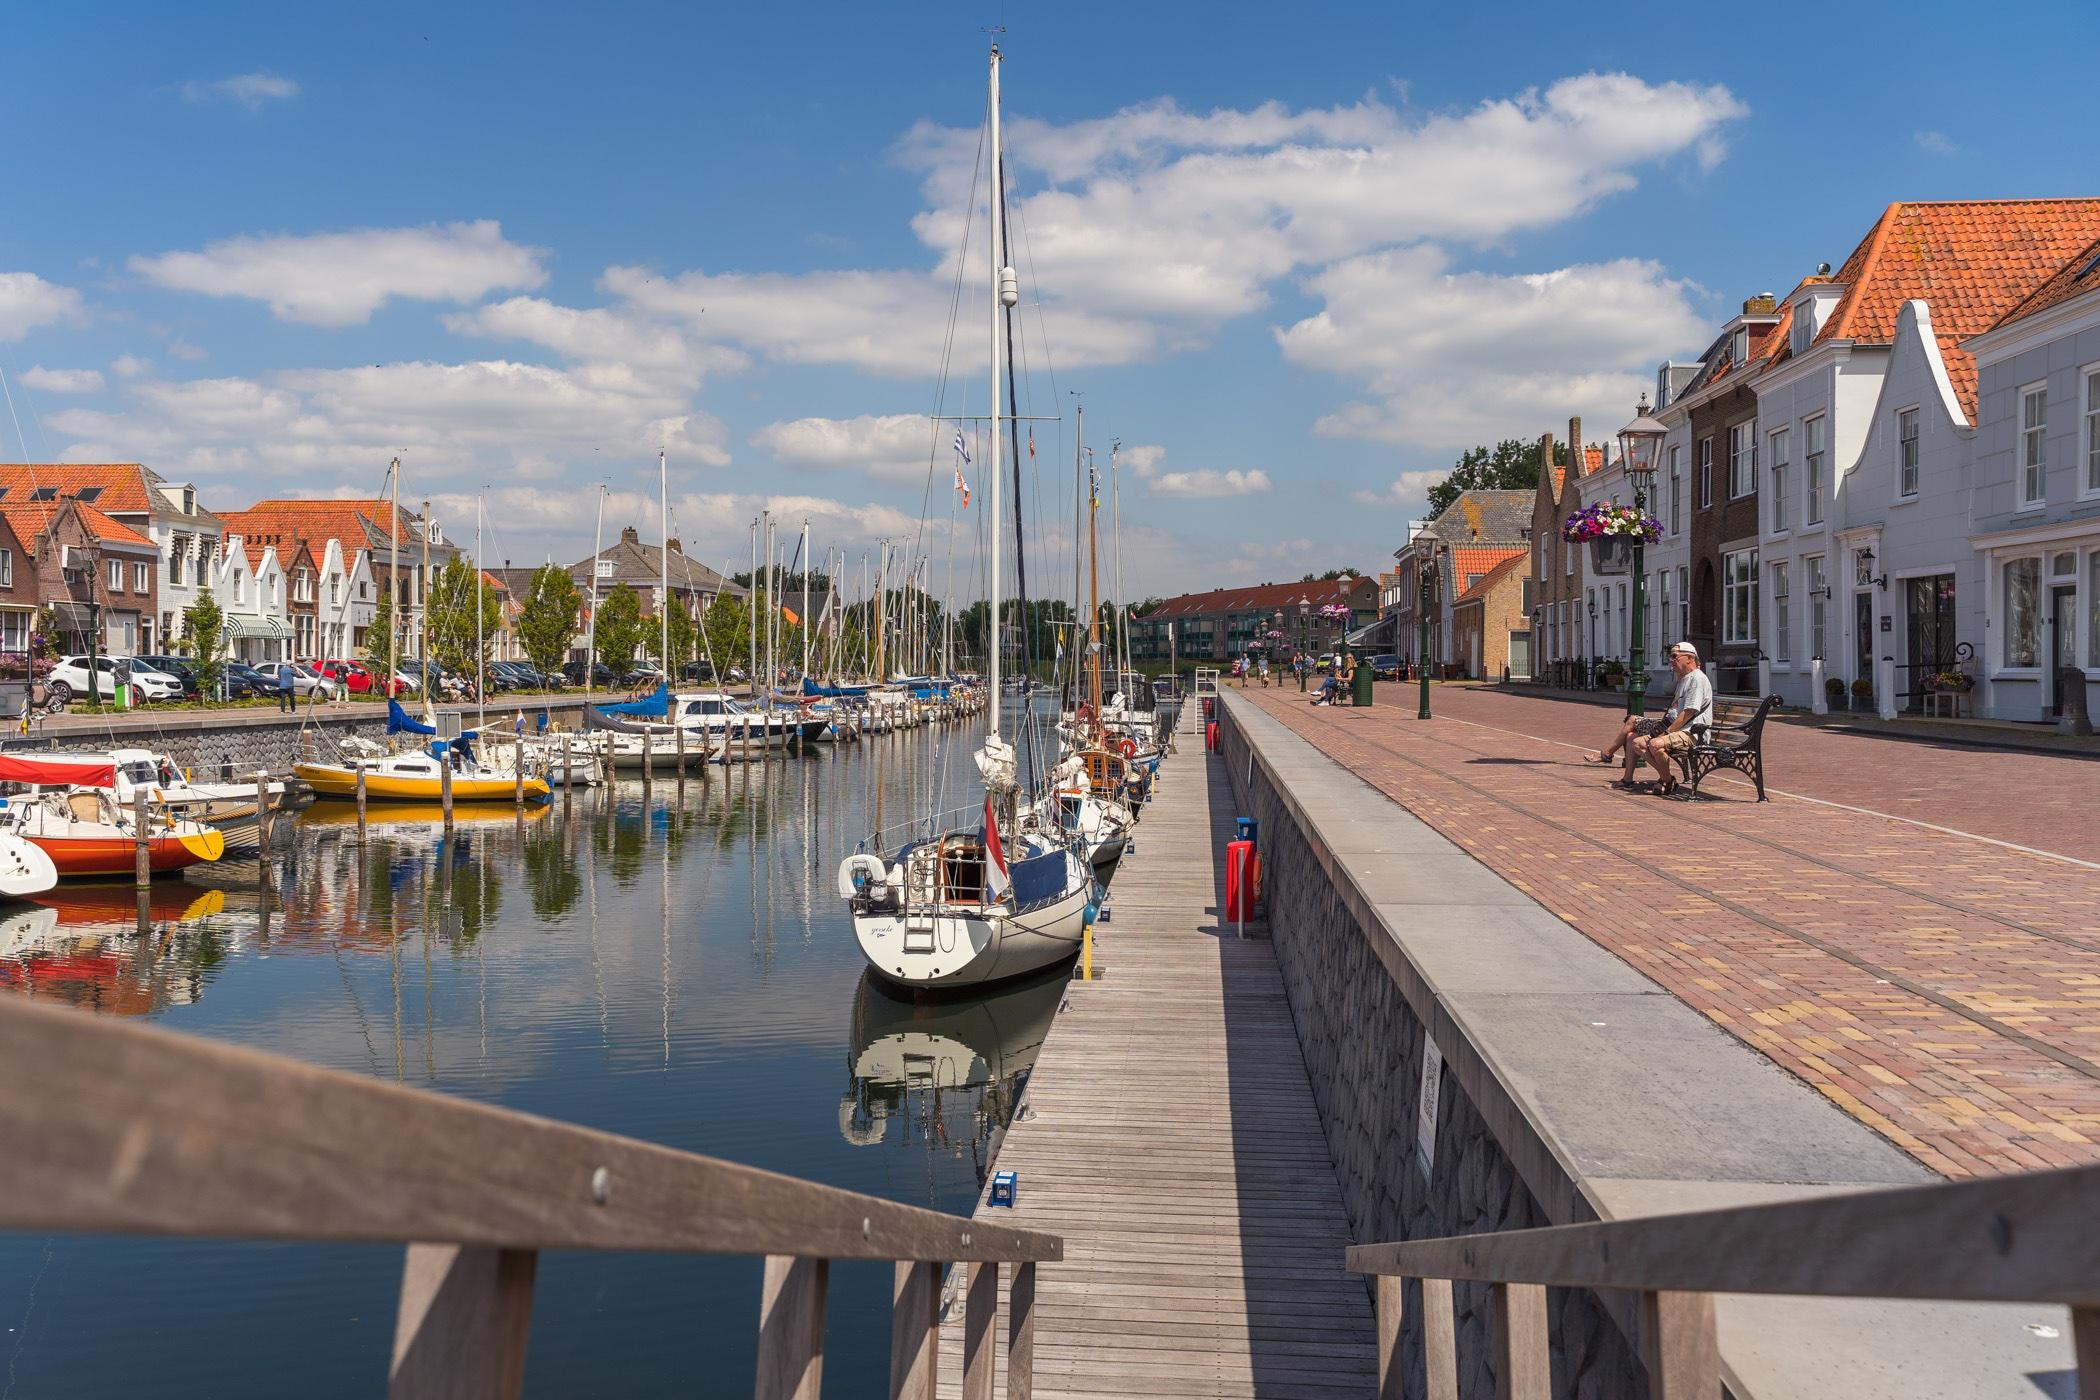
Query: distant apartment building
x=1218 y=626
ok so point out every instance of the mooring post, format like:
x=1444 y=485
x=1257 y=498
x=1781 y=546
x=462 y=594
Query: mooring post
x=648 y=757
x=445 y=789
x=518 y=776
x=568 y=771
x=141 y=856
x=360 y=806
x=262 y=811
x=678 y=737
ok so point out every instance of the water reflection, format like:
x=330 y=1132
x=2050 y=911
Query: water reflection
x=943 y=1076
x=664 y=962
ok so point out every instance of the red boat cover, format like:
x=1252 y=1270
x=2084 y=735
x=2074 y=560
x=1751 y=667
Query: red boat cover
x=53 y=770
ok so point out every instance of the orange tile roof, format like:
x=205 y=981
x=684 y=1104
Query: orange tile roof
x=29 y=519
x=1494 y=576
x=1266 y=596
x=358 y=524
x=123 y=483
x=2075 y=278
x=1971 y=260
x=1482 y=559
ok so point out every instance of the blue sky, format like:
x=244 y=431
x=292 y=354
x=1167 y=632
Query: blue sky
x=1295 y=258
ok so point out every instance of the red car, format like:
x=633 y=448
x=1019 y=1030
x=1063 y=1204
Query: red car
x=355 y=676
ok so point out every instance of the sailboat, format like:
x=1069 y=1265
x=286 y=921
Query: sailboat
x=962 y=907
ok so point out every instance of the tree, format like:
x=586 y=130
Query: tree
x=620 y=629
x=204 y=637
x=547 y=622
x=454 y=623
x=1507 y=466
x=1331 y=575
x=682 y=635
x=726 y=632
x=378 y=637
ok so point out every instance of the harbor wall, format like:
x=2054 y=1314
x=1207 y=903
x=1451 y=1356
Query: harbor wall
x=1348 y=977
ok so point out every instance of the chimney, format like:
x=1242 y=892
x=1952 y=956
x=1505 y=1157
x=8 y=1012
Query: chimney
x=1578 y=461
x=674 y=546
x=630 y=535
x=1546 y=458
x=1763 y=304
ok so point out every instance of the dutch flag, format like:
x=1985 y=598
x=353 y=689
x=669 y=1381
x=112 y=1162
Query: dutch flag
x=996 y=881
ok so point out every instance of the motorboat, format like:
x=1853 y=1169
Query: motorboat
x=85 y=833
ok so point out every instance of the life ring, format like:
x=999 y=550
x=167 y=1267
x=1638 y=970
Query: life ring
x=1128 y=748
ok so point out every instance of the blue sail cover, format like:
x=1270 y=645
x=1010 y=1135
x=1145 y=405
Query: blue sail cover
x=653 y=706
x=810 y=687
x=1038 y=878
x=398 y=721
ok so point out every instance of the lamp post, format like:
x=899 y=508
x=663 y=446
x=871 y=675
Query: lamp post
x=1639 y=442
x=1425 y=573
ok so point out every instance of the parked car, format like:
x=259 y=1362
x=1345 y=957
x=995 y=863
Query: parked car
x=601 y=674
x=356 y=677
x=1385 y=668
x=307 y=681
x=182 y=668
x=243 y=682
x=69 y=678
x=524 y=675
x=697 y=671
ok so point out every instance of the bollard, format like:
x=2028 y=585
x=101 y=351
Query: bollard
x=1818 y=698
x=445 y=790
x=141 y=855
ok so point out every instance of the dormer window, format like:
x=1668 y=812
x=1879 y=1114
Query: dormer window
x=44 y=493
x=1804 y=328
x=1739 y=345
x=90 y=494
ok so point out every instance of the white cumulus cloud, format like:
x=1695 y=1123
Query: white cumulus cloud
x=62 y=381
x=27 y=301
x=1208 y=482
x=251 y=90
x=890 y=446
x=340 y=279
x=1408 y=488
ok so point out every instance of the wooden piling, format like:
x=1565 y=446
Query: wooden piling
x=568 y=770
x=518 y=773
x=648 y=757
x=141 y=853
x=445 y=789
x=360 y=806
x=262 y=811
x=678 y=737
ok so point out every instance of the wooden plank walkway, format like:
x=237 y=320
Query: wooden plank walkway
x=1169 y=1135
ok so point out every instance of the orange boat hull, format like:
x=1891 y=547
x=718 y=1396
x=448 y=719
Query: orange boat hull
x=115 y=855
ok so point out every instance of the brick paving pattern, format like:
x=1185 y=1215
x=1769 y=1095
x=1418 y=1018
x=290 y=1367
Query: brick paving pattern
x=1943 y=989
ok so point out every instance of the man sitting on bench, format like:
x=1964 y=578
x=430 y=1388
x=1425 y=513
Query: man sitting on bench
x=1690 y=705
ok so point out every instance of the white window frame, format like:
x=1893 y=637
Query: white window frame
x=1742 y=459
x=1781 y=456
x=116 y=576
x=7 y=568
x=1909 y=450
x=1662 y=610
x=2003 y=564
x=1684 y=602
x=1815 y=443
x=1782 y=616
x=1705 y=468
x=2031 y=447
x=2089 y=385
x=141 y=578
x=1676 y=490
x=1739 y=576
x=1814 y=577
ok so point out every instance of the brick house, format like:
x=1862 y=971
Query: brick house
x=89 y=569
x=1559 y=570
x=1491 y=622
x=1216 y=626
x=302 y=594
x=18 y=597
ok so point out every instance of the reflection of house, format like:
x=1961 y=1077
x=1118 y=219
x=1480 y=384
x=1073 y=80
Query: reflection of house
x=185 y=534
x=88 y=567
x=1311 y=616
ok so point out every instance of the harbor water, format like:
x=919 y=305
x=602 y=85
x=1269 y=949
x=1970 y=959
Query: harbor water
x=671 y=963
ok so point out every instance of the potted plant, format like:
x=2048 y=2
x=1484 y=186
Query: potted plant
x=1834 y=692
x=1953 y=682
x=1610 y=530
x=1613 y=672
x=1862 y=694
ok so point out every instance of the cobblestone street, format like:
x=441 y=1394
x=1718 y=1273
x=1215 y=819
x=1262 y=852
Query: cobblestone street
x=1912 y=929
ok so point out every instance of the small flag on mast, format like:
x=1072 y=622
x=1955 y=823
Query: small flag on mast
x=962 y=449
x=1031 y=442
x=962 y=486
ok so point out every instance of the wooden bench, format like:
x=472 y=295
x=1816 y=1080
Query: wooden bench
x=1733 y=738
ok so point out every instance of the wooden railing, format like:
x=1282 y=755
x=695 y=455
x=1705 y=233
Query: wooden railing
x=2027 y=1238
x=112 y=1129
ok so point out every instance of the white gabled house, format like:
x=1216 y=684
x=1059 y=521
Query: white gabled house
x=250 y=585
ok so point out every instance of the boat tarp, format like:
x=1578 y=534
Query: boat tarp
x=50 y=770
x=399 y=721
x=656 y=705
x=595 y=718
x=1038 y=878
x=810 y=687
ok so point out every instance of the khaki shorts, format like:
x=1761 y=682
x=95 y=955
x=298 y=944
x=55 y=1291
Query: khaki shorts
x=1674 y=742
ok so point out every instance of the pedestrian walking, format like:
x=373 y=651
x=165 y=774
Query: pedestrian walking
x=287 y=688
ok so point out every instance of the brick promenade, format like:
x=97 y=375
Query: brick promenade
x=1938 y=985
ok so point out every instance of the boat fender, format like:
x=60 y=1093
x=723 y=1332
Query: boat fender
x=861 y=873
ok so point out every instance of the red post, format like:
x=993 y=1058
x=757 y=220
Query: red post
x=1239 y=881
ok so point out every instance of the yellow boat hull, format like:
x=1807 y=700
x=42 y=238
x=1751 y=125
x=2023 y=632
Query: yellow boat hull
x=333 y=780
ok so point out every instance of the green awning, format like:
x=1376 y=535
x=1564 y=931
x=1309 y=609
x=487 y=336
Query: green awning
x=255 y=625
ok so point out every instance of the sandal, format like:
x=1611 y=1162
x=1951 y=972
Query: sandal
x=1667 y=787
x=1598 y=756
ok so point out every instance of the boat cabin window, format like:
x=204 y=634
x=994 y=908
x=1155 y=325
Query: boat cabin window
x=962 y=870
x=139 y=772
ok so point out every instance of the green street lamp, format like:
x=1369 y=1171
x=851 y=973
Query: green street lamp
x=1640 y=443
x=1425 y=574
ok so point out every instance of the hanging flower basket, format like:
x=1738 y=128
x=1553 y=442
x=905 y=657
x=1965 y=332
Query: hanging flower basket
x=1611 y=554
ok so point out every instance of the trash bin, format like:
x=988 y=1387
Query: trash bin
x=1239 y=881
x=1362 y=695
x=1247 y=829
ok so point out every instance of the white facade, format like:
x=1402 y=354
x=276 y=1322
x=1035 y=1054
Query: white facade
x=345 y=601
x=188 y=540
x=252 y=596
x=2035 y=507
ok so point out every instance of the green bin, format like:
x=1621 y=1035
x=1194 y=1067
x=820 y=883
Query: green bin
x=1363 y=683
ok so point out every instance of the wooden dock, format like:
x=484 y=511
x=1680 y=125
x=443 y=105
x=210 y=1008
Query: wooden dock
x=1168 y=1134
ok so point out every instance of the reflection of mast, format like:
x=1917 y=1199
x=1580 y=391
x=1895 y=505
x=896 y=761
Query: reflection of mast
x=664 y=910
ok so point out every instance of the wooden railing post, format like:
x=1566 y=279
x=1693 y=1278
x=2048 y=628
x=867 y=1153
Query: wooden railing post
x=1388 y=1293
x=1679 y=1346
x=915 y=1331
x=791 y=1329
x=1020 y=1333
x=1440 y=1340
x=980 y=1319
x=465 y=1317
x=1523 y=1367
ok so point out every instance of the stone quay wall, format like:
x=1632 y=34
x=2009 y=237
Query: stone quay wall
x=1348 y=980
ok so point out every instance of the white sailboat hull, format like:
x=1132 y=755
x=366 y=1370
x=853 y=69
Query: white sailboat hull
x=972 y=946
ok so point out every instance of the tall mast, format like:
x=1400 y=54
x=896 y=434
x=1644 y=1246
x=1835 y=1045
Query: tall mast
x=663 y=508
x=882 y=613
x=752 y=611
x=1093 y=577
x=805 y=599
x=481 y=703
x=590 y=646
x=1115 y=500
x=423 y=590
x=999 y=285
x=393 y=559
